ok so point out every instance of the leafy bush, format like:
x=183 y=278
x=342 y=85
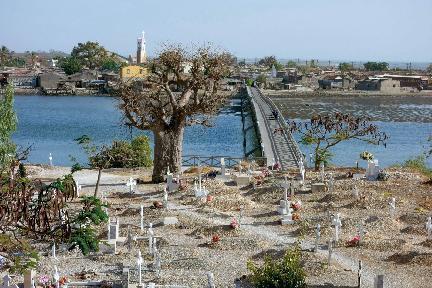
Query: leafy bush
x=141 y=146
x=283 y=273
x=20 y=255
x=137 y=153
x=83 y=235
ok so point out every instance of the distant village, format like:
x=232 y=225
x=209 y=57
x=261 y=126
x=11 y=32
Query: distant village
x=92 y=70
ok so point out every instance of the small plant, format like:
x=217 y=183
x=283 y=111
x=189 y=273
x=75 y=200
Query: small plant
x=366 y=156
x=83 y=235
x=383 y=176
x=419 y=164
x=279 y=273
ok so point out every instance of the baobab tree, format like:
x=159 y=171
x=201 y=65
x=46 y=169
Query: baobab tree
x=182 y=88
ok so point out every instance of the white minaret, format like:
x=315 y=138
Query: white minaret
x=141 y=50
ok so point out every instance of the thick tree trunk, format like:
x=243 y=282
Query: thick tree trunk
x=167 y=152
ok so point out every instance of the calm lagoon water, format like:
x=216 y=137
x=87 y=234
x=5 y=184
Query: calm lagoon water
x=407 y=140
x=50 y=124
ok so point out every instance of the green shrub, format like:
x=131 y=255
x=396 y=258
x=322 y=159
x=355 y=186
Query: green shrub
x=83 y=234
x=135 y=154
x=141 y=147
x=419 y=164
x=280 y=273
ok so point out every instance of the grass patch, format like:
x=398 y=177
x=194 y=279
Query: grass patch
x=419 y=164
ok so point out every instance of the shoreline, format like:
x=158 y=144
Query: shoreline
x=39 y=92
x=276 y=94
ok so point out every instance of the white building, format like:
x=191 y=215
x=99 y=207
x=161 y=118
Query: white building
x=141 y=50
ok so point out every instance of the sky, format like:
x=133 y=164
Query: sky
x=355 y=30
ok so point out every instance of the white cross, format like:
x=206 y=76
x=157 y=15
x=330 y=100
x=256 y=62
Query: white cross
x=317 y=236
x=392 y=207
x=53 y=251
x=131 y=184
x=337 y=224
x=210 y=279
x=355 y=192
x=78 y=189
x=56 y=277
x=165 y=199
x=139 y=263
x=142 y=217
x=50 y=159
x=322 y=171
x=150 y=233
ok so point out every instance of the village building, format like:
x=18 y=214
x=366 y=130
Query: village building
x=384 y=85
x=19 y=78
x=335 y=82
x=133 y=71
x=408 y=82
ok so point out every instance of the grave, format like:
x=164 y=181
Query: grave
x=131 y=184
x=337 y=223
x=372 y=170
x=355 y=192
x=284 y=203
x=223 y=176
x=379 y=281
x=242 y=179
x=317 y=236
x=200 y=190
x=322 y=172
x=286 y=219
x=318 y=187
x=392 y=207
x=172 y=184
x=170 y=221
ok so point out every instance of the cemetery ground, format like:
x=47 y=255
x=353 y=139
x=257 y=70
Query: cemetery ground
x=203 y=240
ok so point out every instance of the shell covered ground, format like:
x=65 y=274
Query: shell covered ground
x=394 y=246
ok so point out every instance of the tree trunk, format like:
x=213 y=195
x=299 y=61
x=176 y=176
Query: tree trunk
x=98 y=182
x=167 y=152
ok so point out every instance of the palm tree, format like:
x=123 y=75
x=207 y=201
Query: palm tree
x=33 y=57
x=5 y=55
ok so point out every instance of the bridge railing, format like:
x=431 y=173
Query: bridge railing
x=282 y=123
x=214 y=161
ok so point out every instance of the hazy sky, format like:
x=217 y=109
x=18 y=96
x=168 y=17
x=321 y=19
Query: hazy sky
x=390 y=30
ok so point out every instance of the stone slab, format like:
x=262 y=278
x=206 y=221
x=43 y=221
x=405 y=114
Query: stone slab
x=170 y=221
x=318 y=187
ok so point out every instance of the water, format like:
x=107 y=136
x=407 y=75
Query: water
x=406 y=120
x=407 y=140
x=50 y=125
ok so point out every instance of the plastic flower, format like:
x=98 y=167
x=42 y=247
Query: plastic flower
x=234 y=223
x=215 y=238
x=63 y=280
x=43 y=279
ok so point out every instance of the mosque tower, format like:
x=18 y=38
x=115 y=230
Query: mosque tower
x=141 y=50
